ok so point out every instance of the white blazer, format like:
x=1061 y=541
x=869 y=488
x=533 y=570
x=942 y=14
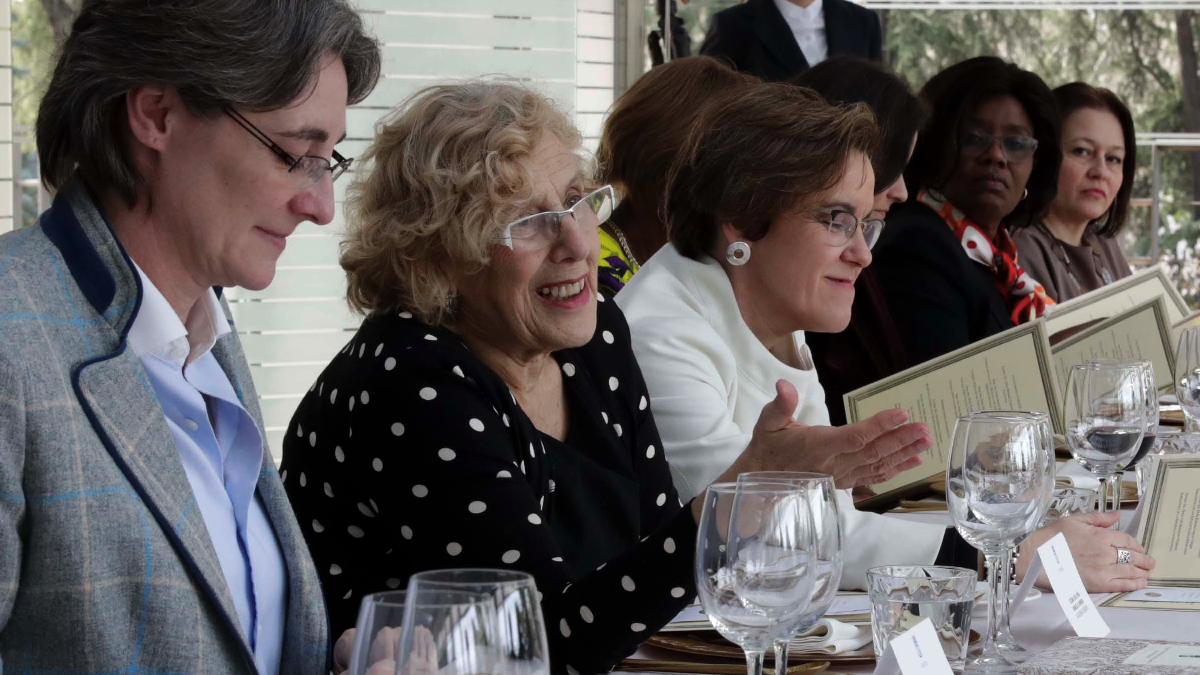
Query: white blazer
x=709 y=378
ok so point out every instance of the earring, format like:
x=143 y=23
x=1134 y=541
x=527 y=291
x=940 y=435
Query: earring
x=738 y=253
x=1025 y=194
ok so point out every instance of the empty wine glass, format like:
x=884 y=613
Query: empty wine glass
x=999 y=478
x=827 y=526
x=755 y=562
x=1187 y=377
x=520 y=642
x=450 y=632
x=1105 y=415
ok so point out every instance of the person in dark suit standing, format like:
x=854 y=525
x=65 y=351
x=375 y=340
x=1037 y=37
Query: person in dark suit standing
x=776 y=39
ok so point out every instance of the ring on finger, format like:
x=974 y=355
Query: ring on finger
x=1124 y=556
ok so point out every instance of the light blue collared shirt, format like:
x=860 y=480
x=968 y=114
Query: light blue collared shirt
x=222 y=453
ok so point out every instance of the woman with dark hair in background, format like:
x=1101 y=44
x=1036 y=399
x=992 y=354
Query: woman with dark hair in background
x=869 y=349
x=1074 y=248
x=641 y=136
x=988 y=159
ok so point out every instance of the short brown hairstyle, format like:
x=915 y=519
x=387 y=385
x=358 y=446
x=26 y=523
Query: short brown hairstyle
x=218 y=54
x=755 y=153
x=442 y=178
x=1080 y=95
x=649 y=122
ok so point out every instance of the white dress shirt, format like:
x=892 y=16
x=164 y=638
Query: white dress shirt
x=709 y=378
x=222 y=453
x=808 y=27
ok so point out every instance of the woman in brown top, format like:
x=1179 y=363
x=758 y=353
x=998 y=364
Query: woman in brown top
x=1074 y=248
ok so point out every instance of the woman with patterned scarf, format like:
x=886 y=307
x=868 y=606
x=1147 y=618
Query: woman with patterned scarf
x=987 y=160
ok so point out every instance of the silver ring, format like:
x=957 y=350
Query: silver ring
x=1124 y=556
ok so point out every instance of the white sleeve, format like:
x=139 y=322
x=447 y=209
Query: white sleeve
x=689 y=396
x=871 y=539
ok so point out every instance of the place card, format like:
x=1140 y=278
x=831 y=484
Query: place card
x=1068 y=588
x=1118 y=297
x=1169 y=530
x=916 y=651
x=1012 y=370
x=1140 y=332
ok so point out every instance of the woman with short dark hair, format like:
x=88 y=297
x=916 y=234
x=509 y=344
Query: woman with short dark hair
x=869 y=349
x=1073 y=249
x=987 y=159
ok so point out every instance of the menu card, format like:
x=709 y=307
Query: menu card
x=1009 y=371
x=1087 y=656
x=1140 y=332
x=1117 y=297
x=1170 y=525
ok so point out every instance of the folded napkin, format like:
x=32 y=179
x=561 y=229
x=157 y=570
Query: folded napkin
x=1070 y=474
x=830 y=636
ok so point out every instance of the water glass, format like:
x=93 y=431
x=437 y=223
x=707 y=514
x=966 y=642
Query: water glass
x=1187 y=377
x=1070 y=501
x=903 y=596
x=516 y=642
x=827 y=525
x=1105 y=418
x=377 y=634
x=999 y=478
x=755 y=562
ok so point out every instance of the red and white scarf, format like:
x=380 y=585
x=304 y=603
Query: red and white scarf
x=1025 y=298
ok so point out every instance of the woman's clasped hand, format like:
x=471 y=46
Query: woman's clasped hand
x=1094 y=548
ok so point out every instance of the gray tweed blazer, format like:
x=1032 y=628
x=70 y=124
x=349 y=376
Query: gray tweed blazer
x=105 y=563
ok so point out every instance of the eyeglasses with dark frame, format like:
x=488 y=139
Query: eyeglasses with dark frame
x=843 y=224
x=306 y=169
x=1016 y=147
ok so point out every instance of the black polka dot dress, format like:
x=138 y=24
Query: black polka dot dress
x=410 y=454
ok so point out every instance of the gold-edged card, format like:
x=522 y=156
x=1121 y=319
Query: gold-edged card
x=1169 y=530
x=1118 y=297
x=1013 y=370
x=1140 y=332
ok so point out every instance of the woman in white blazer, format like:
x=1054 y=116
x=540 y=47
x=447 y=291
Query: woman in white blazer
x=769 y=206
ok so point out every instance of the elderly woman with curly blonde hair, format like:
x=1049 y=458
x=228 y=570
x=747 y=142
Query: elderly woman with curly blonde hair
x=489 y=412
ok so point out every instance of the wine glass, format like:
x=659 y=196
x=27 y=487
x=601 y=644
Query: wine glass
x=450 y=632
x=1187 y=377
x=1105 y=406
x=999 y=478
x=827 y=526
x=519 y=642
x=1150 y=416
x=755 y=562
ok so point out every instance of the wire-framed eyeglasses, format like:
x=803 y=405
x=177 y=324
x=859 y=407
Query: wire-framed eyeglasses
x=1016 y=148
x=305 y=170
x=540 y=229
x=843 y=224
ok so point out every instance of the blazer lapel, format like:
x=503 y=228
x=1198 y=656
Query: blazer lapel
x=119 y=400
x=306 y=643
x=836 y=24
x=772 y=30
x=117 y=397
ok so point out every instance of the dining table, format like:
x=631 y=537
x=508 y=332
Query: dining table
x=1037 y=623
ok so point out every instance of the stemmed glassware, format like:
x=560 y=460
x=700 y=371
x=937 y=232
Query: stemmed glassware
x=999 y=478
x=1150 y=421
x=756 y=562
x=1105 y=408
x=822 y=495
x=379 y=632
x=511 y=633
x=1187 y=377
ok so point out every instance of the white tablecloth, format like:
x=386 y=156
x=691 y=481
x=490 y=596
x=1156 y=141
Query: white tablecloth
x=1040 y=623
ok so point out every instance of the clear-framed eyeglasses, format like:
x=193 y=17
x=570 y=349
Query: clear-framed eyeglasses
x=843 y=224
x=540 y=229
x=305 y=170
x=1016 y=148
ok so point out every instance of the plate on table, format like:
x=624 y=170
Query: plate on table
x=981 y=592
x=711 y=644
